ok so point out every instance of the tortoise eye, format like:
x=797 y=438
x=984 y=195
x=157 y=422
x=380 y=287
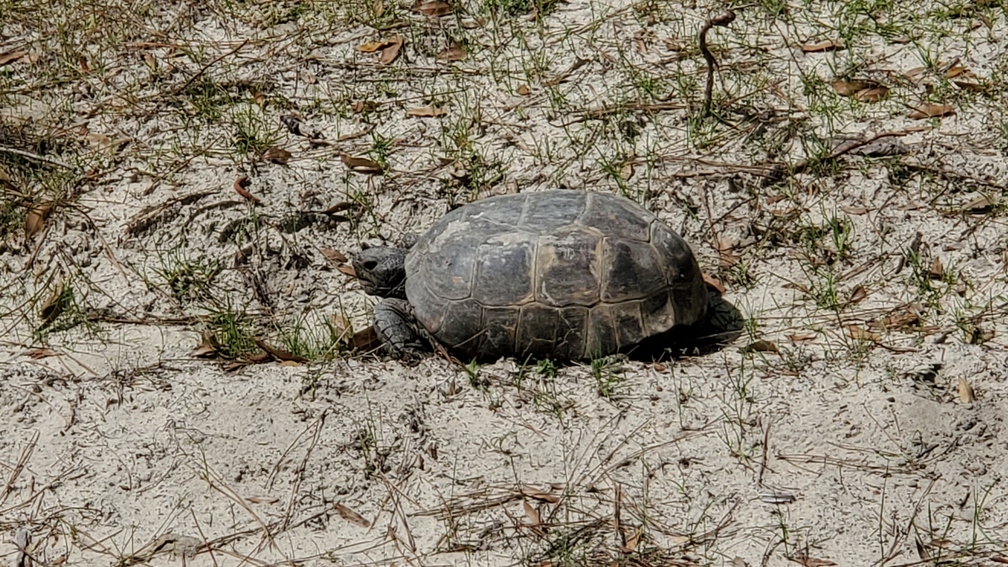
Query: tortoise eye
x=370 y=265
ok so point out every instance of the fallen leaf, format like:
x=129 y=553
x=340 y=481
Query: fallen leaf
x=931 y=111
x=873 y=94
x=857 y=294
x=82 y=61
x=862 y=334
x=35 y=219
x=149 y=60
x=239 y=186
x=277 y=353
x=334 y=256
x=98 y=140
x=40 y=353
x=208 y=347
x=434 y=9
x=372 y=46
x=828 y=45
x=713 y=282
x=981 y=204
x=425 y=112
x=365 y=339
x=347 y=269
x=524 y=89
x=631 y=543
x=342 y=328
x=937 y=270
x=277 y=155
x=914 y=73
x=958 y=70
x=391 y=51
x=363 y=106
x=453 y=53
x=971 y=86
x=348 y=514
x=854 y=209
x=262 y=499
x=966 y=394
x=760 y=346
x=360 y=165
x=801 y=337
x=53 y=306
x=537 y=494
x=378 y=8
x=849 y=88
x=259 y=98
x=10 y=57
x=532 y=514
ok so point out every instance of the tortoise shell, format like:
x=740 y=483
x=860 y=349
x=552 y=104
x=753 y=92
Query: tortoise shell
x=561 y=274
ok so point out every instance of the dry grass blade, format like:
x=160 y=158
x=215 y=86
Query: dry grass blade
x=821 y=46
x=426 y=112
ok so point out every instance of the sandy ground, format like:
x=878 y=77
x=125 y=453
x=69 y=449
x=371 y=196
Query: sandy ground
x=858 y=420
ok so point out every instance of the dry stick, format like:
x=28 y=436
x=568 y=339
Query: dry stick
x=722 y=20
x=36 y=157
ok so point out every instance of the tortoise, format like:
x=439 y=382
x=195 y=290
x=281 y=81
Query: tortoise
x=561 y=274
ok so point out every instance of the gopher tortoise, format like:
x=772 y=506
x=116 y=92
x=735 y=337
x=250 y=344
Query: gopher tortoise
x=563 y=274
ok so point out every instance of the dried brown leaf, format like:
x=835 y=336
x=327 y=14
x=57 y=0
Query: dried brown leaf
x=966 y=394
x=390 y=52
x=959 y=70
x=854 y=209
x=873 y=94
x=350 y=515
x=11 y=56
x=859 y=293
x=277 y=155
x=425 y=112
x=83 y=62
x=208 y=347
x=372 y=46
x=453 y=53
x=818 y=47
x=807 y=561
x=524 y=90
x=360 y=165
x=849 y=88
x=434 y=9
x=537 y=494
x=931 y=111
x=342 y=328
x=36 y=217
x=53 y=306
x=277 y=353
x=365 y=339
x=801 y=337
x=861 y=334
x=713 y=282
x=363 y=106
x=761 y=346
x=340 y=207
x=971 y=86
x=40 y=353
x=334 y=256
x=937 y=270
x=631 y=543
x=915 y=73
x=532 y=514
x=262 y=499
x=347 y=269
x=981 y=204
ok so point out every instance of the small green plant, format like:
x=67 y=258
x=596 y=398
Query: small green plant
x=607 y=377
x=520 y=7
x=188 y=280
x=232 y=330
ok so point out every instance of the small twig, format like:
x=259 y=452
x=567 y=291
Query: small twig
x=36 y=157
x=722 y=20
x=842 y=149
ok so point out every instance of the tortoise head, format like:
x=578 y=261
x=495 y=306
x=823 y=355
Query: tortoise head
x=382 y=271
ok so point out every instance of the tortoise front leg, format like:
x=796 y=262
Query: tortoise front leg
x=399 y=330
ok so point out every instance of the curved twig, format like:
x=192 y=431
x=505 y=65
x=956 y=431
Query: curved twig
x=722 y=20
